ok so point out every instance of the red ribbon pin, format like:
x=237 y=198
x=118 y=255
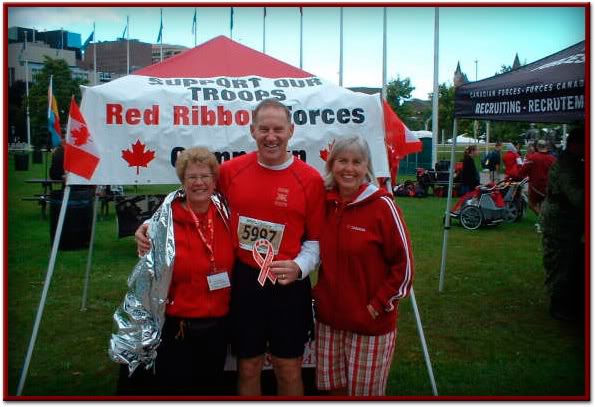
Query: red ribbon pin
x=264 y=262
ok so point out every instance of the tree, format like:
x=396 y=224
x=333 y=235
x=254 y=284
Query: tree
x=64 y=87
x=504 y=69
x=397 y=92
x=446 y=113
x=16 y=112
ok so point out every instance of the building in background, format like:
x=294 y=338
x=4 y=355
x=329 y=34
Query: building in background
x=34 y=54
x=168 y=51
x=112 y=57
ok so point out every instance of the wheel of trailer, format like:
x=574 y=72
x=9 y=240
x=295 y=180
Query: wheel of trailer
x=470 y=217
x=512 y=212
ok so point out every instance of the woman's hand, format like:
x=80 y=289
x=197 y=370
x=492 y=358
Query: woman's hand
x=143 y=244
x=373 y=313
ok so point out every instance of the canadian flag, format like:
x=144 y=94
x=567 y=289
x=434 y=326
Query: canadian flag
x=80 y=153
x=399 y=140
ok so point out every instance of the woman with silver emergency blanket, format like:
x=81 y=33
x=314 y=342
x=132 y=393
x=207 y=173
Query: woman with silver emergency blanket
x=171 y=327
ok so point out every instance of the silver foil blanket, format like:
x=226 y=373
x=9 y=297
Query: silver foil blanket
x=140 y=317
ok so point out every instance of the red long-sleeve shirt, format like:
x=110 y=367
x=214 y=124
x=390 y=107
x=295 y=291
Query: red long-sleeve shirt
x=537 y=167
x=511 y=164
x=284 y=206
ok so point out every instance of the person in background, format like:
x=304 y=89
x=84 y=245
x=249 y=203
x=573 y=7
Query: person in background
x=367 y=267
x=563 y=220
x=512 y=160
x=57 y=166
x=469 y=174
x=172 y=324
x=493 y=160
x=537 y=167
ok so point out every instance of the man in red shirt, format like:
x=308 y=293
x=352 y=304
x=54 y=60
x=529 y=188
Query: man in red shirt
x=537 y=167
x=277 y=197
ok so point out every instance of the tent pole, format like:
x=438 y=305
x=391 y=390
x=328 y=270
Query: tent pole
x=487 y=137
x=46 y=286
x=420 y=328
x=90 y=256
x=448 y=204
x=424 y=346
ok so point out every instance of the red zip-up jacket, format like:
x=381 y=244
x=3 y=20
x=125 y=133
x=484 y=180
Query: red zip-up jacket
x=189 y=292
x=366 y=259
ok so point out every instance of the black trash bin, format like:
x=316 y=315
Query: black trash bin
x=37 y=157
x=76 y=231
x=21 y=161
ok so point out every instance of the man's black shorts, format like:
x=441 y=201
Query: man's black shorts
x=276 y=315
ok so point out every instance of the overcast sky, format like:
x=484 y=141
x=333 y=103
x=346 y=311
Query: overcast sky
x=490 y=36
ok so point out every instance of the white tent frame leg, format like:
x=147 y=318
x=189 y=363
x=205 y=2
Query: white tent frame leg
x=90 y=256
x=420 y=331
x=46 y=286
x=48 y=279
x=448 y=206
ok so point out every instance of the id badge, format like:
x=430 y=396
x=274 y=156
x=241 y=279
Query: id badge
x=218 y=280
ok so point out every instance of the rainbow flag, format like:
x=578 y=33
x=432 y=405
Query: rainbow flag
x=53 y=118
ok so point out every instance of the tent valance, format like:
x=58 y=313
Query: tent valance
x=551 y=90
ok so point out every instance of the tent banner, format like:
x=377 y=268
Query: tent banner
x=551 y=90
x=139 y=123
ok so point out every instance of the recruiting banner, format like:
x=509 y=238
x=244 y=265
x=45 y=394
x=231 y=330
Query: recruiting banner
x=551 y=90
x=138 y=124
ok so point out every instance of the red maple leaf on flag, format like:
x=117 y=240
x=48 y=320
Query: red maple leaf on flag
x=80 y=135
x=138 y=157
x=324 y=153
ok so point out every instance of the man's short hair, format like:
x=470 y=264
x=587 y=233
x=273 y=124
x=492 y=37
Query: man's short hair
x=271 y=102
x=541 y=145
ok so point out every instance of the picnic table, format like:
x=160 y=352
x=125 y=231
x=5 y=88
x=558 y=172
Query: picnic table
x=42 y=198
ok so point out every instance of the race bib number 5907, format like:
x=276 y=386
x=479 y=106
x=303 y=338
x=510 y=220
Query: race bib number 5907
x=250 y=230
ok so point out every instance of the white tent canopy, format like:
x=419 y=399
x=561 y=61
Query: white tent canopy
x=462 y=139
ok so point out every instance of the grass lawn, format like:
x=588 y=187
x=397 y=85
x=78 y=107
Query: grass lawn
x=488 y=332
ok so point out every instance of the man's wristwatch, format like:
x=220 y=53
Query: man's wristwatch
x=299 y=274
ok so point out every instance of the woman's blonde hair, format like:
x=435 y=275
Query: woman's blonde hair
x=354 y=144
x=196 y=155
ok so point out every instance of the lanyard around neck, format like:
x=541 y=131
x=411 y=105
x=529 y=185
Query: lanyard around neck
x=210 y=230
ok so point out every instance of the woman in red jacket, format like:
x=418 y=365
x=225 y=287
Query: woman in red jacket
x=171 y=335
x=367 y=266
x=512 y=160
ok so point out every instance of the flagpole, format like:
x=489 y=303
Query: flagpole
x=264 y=30
x=231 y=23
x=301 y=37
x=127 y=45
x=384 y=53
x=341 y=48
x=94 y=57
x=436 y=90
x=27 y=92
x=161 y=37
x=195 y=26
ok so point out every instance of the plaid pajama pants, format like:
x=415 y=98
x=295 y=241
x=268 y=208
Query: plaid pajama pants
x=357 y=362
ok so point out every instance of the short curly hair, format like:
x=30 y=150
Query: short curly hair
x=196 y=155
